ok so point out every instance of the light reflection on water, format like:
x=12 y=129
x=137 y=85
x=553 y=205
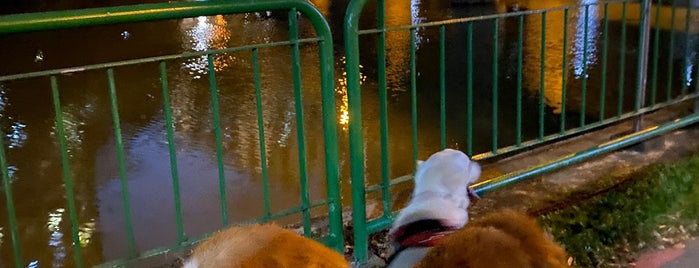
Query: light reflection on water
x=56 y=240
x=585 y=43
x=207 y=33
x=341 y=91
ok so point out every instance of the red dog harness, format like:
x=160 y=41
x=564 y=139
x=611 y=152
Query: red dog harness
x=422 y=233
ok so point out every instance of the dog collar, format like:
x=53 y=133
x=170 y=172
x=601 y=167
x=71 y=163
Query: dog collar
x=422 y=233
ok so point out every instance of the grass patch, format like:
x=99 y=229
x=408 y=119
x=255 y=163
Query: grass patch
x=653 y=208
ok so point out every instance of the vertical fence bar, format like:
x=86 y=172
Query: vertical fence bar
x=671 y=52
x=9 y=202
x=542 y=75
x=696 y=83
x=685 y=72
x=644 y=41
x=622 y=62
x=605 y=48
x=469 y=88
x=67 y=176
x=122 y=163
x=383 y=108
x=298 y=101
x=583 y=90
x=329 y=119
x=217 y=136
x=167 y=111
x=656 y=55
x=356 y=139
x=696 y=80
x=518 y=119
x=442 y=89
x=495 y=88
x=564 y=72
x=413 y=92
x=261 y=134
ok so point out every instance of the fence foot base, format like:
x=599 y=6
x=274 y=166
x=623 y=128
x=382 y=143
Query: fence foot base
x=648 y=145
x=653 y=144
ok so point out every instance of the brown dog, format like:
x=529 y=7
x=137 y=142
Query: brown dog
x=504 y=238
x=262 y=246
x=427 y=233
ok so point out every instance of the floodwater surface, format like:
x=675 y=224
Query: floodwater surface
x=37 y=171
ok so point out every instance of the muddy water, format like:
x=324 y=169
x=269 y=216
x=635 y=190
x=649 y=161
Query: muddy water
x=35 y=163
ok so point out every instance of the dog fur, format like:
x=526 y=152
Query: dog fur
x=265 y=245
x=440 y=192
x=500 y=239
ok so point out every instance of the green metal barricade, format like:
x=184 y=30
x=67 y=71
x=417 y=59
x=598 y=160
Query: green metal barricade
x=19 y=251
x=506 y=90
x=489 y=85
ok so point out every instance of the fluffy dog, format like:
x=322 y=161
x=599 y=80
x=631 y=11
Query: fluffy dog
x=437 y=207
x=427 y=233
x=262 y=246
x=500 y=239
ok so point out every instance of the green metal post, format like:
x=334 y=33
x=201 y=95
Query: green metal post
x=261 y=134
x=642 y=71
x=128 y=224
x=605 y=48
x=622 y=62
x=518 y=109
x=685 y=71
x=494 y=120
x=9 y=202
x=656 y=54
x=671 y=52
x=217 y=136
x=298 y=101
x=169 y=128
x=442 y=88
x=564 y=73
x=469 y=88
x=583 y=90
x=383 y=108
x=67 y=173
x=413 y=93
x=356 y=139
x=542 y=75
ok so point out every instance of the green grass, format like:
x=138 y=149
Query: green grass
x=650 y=209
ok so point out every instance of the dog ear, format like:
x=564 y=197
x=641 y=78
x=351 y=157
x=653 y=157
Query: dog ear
x=474 y=171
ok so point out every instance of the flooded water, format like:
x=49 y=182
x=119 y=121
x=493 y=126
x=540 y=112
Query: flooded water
x=35 y=164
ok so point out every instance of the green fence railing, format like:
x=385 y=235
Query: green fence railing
x=513 y=81
x=56 y=81
x=489 y=85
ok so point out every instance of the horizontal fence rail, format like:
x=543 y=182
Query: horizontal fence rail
x=510 y=81
x=218 y=113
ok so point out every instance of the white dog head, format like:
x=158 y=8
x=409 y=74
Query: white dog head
x=441 y=190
